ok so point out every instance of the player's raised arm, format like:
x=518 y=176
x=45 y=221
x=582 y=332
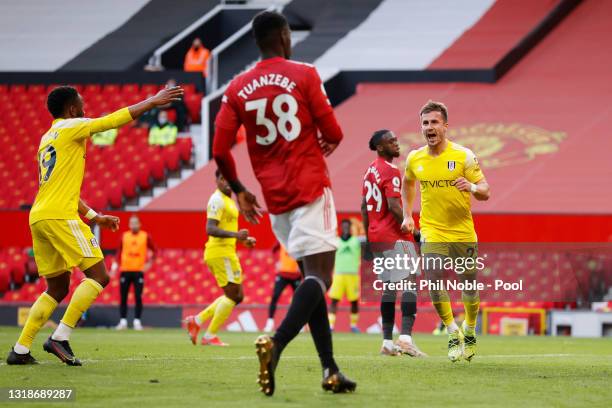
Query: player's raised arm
x=126 y=115
x=163 y=97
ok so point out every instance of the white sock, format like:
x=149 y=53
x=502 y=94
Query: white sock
x=468 y=328
x=270 y=322
x=388 y=344
x=451 y=328
x=19 y=349
x=406 y=338
x=198 y=320
x=62 y=332
x=137 y=321
x=208 y=336
x=122 y=322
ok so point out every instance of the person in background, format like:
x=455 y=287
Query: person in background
x=136 y=255
x=288 y=275
x=164 y=132
x=106 y=137
x=196 y=59
x=346 y=276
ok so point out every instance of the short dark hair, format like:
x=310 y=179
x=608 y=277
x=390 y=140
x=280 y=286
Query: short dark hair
x=377 y=137
x=266 y=26
x=59 y=98
x=433 y=106
x=347 y=221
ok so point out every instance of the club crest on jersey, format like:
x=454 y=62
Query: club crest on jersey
x=94 y=242
x=451 y=165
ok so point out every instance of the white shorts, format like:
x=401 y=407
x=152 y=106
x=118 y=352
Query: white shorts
x=399 y=272
x=310 y=229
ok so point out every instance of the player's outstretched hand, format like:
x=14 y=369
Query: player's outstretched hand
x=107 y=221
x=326 y=147
x=250 y=242
x=462 y=184
x=249 y=207
x=408 y=225
x=167 y=95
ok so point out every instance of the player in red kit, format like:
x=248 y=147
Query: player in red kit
x=283 y=107
x=381 y=209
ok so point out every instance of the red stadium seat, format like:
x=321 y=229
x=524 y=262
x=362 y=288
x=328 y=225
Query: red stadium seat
x=143 y=176
x=185 y=145
x=18 y=89
x=114 y=192
x=92 y=89
x=149 y=89
x=111 y=89
x=130 y=89
x=171 y=157
x=37 y=89
x=129 y=184
x=194 y=103
x=158 y=171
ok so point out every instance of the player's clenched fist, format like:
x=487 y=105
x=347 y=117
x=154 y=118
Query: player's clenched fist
x=462 y=184
x=407 y=225
x=107 y=221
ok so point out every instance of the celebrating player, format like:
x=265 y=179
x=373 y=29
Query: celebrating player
x=282 y=104
x=381 y=210
x=61 y=240
x=222 y=261
x=448 y=174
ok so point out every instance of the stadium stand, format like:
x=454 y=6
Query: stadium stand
x=327 y=23
x=406 y=28
x=113 y=173
x=500 y=29
x=179 y=276
x=146 y=30
x=25 y=30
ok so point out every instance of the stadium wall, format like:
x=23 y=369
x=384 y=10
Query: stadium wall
x=187 y=229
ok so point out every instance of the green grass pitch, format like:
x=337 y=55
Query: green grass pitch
x=160 y=368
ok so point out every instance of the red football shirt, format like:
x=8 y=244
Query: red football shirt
x=281 y=103
x=381 y=181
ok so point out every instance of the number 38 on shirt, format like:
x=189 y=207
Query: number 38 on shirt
x=285 y=107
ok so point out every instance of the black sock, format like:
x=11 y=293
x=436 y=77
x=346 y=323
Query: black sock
x=305 y=299
x=387 y=312
x=409 y=308
x=321 y=335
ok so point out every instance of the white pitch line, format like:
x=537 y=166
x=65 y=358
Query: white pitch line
x=341 y=357
x=313 y=357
